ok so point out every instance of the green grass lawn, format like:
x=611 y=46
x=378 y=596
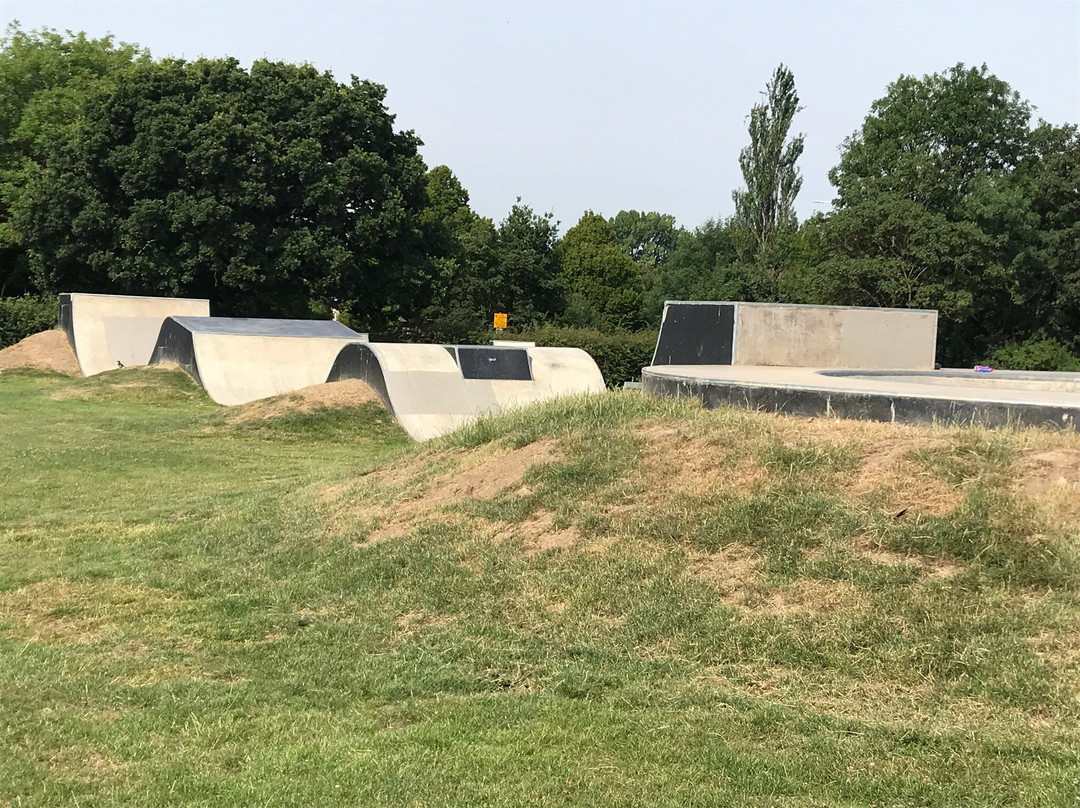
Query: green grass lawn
x=198 y=611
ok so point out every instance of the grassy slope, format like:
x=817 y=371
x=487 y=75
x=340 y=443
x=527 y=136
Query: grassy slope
x=194 y=612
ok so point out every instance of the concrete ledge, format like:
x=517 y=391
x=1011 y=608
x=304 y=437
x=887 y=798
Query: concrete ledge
x=953 y=399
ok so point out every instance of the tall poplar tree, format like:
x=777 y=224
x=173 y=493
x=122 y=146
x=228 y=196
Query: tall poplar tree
x=766 y=206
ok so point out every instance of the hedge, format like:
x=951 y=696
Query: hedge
x=22 y=316
x=619 y=355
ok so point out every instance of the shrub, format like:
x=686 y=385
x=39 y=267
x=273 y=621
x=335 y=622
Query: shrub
x=1036 y=353
x=620 y=355
x=22 y=316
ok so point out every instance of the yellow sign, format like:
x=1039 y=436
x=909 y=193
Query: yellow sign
x=500 y=320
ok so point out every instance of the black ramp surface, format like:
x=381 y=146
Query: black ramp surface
x=483 y=362
x=357 y=361
x=696 y=334
x=174 y=344
x=265 y=327
x=65 y=319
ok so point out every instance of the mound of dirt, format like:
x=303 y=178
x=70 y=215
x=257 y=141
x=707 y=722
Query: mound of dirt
x=329 y=396
x=46 y=350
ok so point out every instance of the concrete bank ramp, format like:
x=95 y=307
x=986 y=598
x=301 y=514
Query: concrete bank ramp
x=105 y=330
x=239 y=359
x=434 y=389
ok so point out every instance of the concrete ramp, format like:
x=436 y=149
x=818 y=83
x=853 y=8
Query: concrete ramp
x=434 y=389
x=241 y=359
x=105 y=330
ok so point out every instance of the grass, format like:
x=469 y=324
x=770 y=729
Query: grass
x=192 y=611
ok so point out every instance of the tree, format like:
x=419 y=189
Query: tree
x=766 y=206
x=932 y=211
x=525 y=281
x=604 y=288
x=266 y=191
x=928 y=139
x=462 y=245
x=45 y=78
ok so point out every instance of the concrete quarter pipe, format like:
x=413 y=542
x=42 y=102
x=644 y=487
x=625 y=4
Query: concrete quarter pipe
x=241 y=359
x=107 y=331
x=434 y=389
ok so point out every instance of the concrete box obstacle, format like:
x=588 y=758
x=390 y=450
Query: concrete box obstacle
x=434 y=389
x=238 y=359
x=788 y=335
x=837 y=362
x=107 y=331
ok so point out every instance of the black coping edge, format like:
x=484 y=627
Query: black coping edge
x=890 y=408
x=175 y=344
x=357 y=361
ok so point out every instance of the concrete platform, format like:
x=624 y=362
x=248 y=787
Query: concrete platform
x=107 y=331
x=434 y=389
x=239 y=359
x=1001 y=398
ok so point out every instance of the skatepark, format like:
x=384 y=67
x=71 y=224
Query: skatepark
x=830 y=361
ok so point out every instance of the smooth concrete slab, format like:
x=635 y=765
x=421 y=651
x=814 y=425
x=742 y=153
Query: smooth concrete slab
x=789 y=335
x=1000 y=398
x=434 y=389
x=238 y=360
x=109 y=331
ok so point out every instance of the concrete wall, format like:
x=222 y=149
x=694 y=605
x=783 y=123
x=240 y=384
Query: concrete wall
x=107 y=329
x=834 y=337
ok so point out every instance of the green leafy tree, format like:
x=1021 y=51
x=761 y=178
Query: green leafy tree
x=525 y=280
x=604 y=287
x=266 y=191
x=45 y=78
x=931 y=211
x=462 y=245
x=766 y=206
x=929 y=139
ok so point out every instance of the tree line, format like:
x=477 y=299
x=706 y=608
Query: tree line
x=281 y=191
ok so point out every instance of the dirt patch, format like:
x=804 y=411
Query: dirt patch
x=538 y=534
x=937 y=568
x=1040 y=472
x=674 y=462
x=1052 y=478
x=732 y=569
x=889 y=477
x=329 y=396
x=801 y=597
x=46 y=350
x=492 y=476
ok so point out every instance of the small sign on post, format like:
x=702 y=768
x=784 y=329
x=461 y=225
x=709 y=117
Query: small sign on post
x=500 y=321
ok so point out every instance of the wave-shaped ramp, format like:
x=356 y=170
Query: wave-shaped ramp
x=242 y=359
x=434 y=389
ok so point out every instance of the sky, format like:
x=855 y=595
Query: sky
x=610 y=106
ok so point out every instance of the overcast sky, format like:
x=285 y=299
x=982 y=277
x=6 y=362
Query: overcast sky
x=612 y=105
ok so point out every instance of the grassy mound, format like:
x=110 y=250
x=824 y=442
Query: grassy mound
x=598 y=601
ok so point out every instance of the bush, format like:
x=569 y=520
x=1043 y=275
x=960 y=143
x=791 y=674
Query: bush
x=22 y=316
x=620 y=355
x=1036 y=353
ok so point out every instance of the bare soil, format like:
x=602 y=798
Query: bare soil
x=46 y=350
x=332 y=395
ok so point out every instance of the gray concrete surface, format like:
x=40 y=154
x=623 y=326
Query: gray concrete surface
x=108 y=329
x=927 y=397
